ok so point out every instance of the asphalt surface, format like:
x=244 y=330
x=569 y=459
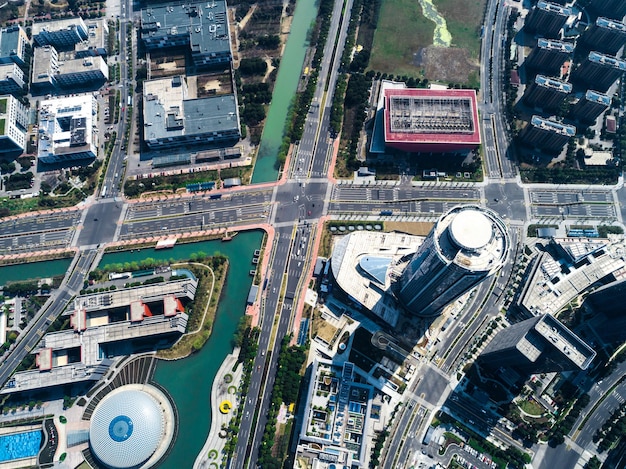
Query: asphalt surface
x=302 y=200
x=48 y=313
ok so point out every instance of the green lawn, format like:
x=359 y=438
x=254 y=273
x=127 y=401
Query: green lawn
x=531 y=408
x=464 y=20
x=402 y=30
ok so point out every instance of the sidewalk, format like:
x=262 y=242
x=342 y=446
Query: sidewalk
x=211 y=453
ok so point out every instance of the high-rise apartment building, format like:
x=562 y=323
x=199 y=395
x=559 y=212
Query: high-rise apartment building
x=546 y=93
x=547 y=19
x=605 y=35
x=466 y=245
x=549 y=55
x=547 y=134
x=590 y=106
x=599 y=71
x=537 y=345
x=614 y=9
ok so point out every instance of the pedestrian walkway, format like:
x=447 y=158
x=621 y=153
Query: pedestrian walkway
x=225 y=399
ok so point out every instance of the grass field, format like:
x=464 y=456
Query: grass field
x=403 y=31
x=464 y=19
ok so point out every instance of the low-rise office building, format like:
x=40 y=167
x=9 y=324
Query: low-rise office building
x=337 y=417
x=97 y=39
x=201 y=27
x=105 y=326
x=66 y=129
x=557 y=277
x=54 y=71
x=63 y=34
x=174 y=116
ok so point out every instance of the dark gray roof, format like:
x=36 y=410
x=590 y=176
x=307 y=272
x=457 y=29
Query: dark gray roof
x=204 y=23
x=198 y=116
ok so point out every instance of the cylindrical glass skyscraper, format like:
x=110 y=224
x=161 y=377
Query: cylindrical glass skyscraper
x=466 y=245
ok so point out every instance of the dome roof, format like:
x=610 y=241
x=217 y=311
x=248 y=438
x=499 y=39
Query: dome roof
x=126 y=428
x=471 y=229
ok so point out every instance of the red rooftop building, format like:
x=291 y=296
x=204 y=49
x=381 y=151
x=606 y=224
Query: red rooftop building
x=424 y=120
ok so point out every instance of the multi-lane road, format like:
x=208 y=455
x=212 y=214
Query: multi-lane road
x=302 y=199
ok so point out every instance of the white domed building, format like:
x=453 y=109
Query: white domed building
x=131 y=427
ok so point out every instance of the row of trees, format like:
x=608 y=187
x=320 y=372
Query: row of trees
x=613 y=429
x=286 y=386
x=303 y=100
x=336 y=113
x=564 y=425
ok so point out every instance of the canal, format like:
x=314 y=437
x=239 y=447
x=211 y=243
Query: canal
x=284 y=91
x=33 y=270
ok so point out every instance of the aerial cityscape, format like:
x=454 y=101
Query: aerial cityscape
x=332 y=234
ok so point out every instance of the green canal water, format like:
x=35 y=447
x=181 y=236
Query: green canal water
x=189 y=380
x=286 y=85
x=33 y=270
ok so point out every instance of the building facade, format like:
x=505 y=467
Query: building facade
x=547 y=19
x=63 y=34
x=614 y=9
x=466 y=245
x=12 y=80
x=588 y=108
x=14 y=46
x=547 y=134
x=537 y=345
x=549 y=55
x=605 y=35
x=13 y=124
x=599 y=71
x=546 y=93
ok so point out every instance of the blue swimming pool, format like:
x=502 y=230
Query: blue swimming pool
x=20 y=445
